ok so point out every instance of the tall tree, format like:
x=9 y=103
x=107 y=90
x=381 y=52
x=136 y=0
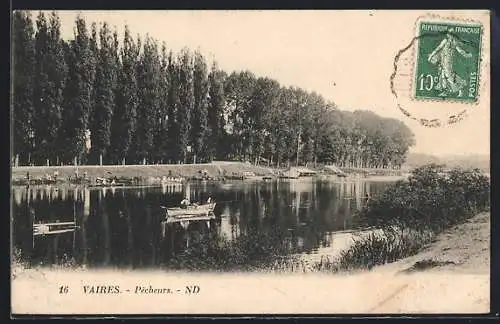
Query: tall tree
x=125 y=113
x=199 y=122
x=161 y=140
x=263 y=102
x=78 y=96
x=238 y=89
x=173 y=106
x=67 y=131
x=147 y=114
x=116 y=156
x=50 y=78
x=104 y=95
x=146 y=105
x=94 y=49
x=215 y=116
x=186 y=101
x=23 y=58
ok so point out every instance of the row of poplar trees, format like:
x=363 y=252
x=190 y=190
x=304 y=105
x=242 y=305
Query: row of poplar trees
x=107 y=98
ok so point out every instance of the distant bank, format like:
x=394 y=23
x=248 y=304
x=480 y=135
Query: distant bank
x=214 y=170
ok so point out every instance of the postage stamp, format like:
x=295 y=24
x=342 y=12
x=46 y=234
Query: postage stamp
x=248 y=150
x=447 y=62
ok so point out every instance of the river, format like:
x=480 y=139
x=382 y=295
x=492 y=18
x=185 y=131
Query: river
x=256 y=222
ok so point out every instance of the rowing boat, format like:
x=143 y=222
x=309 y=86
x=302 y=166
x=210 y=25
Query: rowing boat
x=190 y=212
x=54 y=228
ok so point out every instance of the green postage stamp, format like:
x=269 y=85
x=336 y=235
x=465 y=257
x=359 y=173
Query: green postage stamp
x=447 y=62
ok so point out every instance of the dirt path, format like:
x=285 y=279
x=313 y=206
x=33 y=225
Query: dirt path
x=450 y=275
x=464 y=248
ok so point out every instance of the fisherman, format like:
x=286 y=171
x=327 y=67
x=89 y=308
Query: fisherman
x=185 y=203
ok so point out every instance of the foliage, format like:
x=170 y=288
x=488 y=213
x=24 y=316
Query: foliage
x=142 y=101
x=78 y=93
x=148 y=69
x=411 y=213
x=215 y=115
x=127 y=98
x=254 y=250
x=431 y=198
x=199 y=130
x=23 y=68
x=48 y=85
x=105 y=83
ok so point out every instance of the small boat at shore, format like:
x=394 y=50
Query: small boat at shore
x=54 y=228
x=192 y=212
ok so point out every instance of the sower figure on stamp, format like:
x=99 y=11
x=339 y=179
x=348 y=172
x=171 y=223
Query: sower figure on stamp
x=442 y=55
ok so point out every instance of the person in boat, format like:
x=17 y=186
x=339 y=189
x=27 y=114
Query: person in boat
x=185 y=203
x=209 y=200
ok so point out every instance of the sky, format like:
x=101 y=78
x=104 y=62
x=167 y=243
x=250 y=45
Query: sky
x=346 y=56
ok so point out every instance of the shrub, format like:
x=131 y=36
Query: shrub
x=411 y=213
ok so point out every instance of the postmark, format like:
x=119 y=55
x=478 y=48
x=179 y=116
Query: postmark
x=447 y=62
x=437 y=76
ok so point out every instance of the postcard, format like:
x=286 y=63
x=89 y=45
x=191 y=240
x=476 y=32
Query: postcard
x=246 y=162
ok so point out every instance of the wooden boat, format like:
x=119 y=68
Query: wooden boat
x=106 y=185
x=191 y=213
x=54 y=228
x=103 y=182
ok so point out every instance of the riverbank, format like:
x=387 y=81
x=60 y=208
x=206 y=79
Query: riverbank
x=216 y=170
x=211 y=170
x=465 y=248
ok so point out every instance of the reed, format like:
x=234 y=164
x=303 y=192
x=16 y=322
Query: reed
x=410 y=214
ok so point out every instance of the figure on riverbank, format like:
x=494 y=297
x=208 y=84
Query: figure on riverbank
x=185 y=203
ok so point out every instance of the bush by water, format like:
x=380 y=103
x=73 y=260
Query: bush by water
x=411 y=213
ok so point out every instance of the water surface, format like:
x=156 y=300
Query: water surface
x=256 y=223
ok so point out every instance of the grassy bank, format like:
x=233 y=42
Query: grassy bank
x=213 y=170
x=411 y=214
x=143 y=173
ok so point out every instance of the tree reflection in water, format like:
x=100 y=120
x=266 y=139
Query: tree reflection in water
x=257 y=224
